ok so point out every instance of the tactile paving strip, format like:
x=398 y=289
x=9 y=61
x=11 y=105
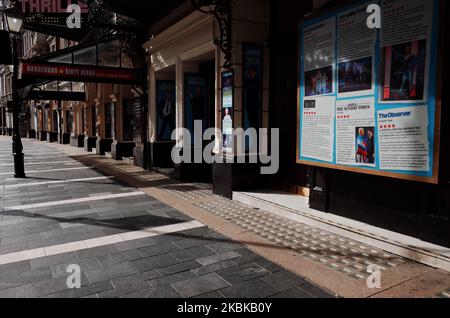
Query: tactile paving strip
x=188 y=192
x=338 y=253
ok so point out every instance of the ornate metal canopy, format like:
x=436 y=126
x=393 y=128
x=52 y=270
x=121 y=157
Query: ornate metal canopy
x=221 y=10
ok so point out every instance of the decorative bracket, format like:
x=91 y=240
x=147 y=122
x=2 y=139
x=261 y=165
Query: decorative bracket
x=221 y=10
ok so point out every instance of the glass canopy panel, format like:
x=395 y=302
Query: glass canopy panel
x=78 y=87
x=109 y=54
x=64 y=59
x=52 y=86
x=87 y=56
x=127 y=62
x=65 y=86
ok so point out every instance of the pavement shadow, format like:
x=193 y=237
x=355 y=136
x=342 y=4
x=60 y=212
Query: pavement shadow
x=128 y=178
x=102 y=166
x=96 y=182
x=142 y=224
x=125 y=224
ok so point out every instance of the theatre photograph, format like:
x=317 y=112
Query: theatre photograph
x=247 y=153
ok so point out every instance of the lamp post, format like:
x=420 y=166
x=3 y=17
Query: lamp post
x=14 y=21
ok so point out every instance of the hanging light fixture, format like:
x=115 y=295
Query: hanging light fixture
x=14 y=20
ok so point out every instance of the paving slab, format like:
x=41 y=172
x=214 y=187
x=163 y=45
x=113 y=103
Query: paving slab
x=241 y=252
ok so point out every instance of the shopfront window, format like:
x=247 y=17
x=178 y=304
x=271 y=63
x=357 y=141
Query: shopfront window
x=94 y=121
x=69 y=121
x=137 y=133
x=45 y=120
x=55 y=121
x=128 y=120
x=110 y=121
x=83 y=121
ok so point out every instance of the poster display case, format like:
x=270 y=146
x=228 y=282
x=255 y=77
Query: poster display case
x=368 y=98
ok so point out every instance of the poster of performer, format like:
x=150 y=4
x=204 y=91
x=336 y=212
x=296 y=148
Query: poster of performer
x=365 y=145
x=253 y=59
x=356 y=75
x=403 y=71
x=319 y=82
x=166 y=109
x=196 y=101
x=227 y=111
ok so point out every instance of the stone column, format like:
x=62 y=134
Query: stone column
x=1 y=121
x=122 y=146
x=52 y=123
x=104 y=142
x=90 y=139
x=250 y=24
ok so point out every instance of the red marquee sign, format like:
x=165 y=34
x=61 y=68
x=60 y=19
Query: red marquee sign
x=78 y=73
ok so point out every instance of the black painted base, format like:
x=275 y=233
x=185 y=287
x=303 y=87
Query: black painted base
x=32 y=134
x=223 y=180
x=103 y=146
x=411 y=208
x=90 y=143
x=77 y=141
x=64 y=138
x=319 y=195
x=119 y=150
x=9 y=132
x=193 y=172
x=19 y=167
x=42 y=136
x=52 y=137
x=229 y=177
x=160 y=155
x=140 y=155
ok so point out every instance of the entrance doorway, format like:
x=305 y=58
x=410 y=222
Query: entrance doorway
x=164 y=118
x=199 y=93
x=110 y=129
x=199 y=103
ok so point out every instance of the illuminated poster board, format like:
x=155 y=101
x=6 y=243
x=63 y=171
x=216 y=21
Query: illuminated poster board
x=227 y=111
x=368 y=97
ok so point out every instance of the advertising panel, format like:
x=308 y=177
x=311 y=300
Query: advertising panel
x=367 y=96
x=227 y=111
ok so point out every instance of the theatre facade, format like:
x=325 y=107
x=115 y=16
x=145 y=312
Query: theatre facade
x=361 y=111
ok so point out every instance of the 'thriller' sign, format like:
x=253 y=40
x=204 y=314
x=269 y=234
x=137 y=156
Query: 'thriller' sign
x=51 y=6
